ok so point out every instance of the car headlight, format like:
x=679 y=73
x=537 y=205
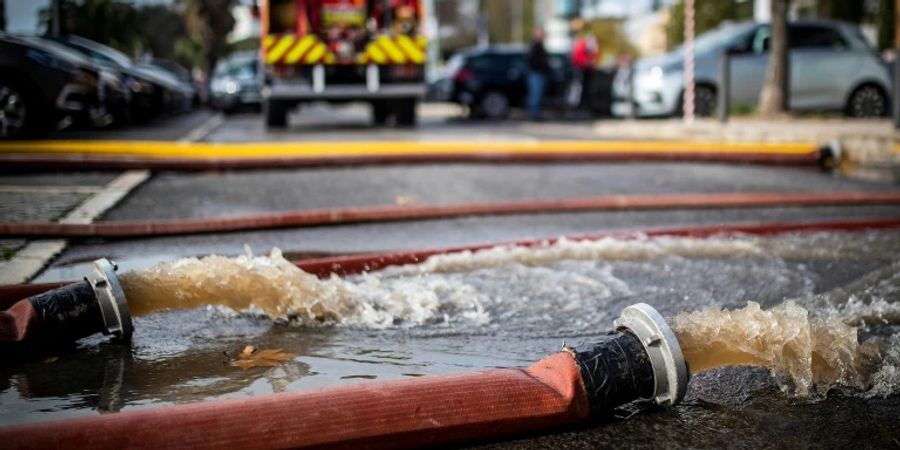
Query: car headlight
x=225 y=86
x=655 y=77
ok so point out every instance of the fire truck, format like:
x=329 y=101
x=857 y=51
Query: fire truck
x=343 y=51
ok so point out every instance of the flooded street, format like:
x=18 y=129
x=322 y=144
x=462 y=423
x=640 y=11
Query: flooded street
x=503 y=307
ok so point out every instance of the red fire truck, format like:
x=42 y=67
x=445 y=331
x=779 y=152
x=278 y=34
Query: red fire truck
x=343 y=51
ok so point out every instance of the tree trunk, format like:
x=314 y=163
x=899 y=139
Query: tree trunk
x=773 y=100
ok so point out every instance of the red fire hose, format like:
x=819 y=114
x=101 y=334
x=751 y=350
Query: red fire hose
x=417 y=413
x=640 y=360
x=332 y=216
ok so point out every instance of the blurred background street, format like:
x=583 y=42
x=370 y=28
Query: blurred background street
x=754 y=141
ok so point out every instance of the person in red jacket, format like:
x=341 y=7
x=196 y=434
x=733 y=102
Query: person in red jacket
x=585 y=52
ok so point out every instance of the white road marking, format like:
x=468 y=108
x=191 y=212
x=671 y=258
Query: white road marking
x=31 y=259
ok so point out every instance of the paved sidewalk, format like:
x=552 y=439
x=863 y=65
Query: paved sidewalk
x=66 y=198
x=869 y=148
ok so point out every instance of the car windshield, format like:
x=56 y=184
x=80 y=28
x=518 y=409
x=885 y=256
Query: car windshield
x=241 y=69
x=719 y=38
x=53 y=47
x=99 y=51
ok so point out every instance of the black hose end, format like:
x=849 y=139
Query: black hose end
x=642 y=359
x=616 y=370
x=830 y=156
x=77 y=310
x=67 y=313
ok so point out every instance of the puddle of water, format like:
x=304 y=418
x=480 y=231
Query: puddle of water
x=498 y=308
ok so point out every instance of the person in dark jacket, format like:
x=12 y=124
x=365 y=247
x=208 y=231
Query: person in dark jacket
x=538 y=68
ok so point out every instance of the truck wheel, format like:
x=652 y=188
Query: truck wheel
x=380 y=112
x=405 y=112
x=276 y=113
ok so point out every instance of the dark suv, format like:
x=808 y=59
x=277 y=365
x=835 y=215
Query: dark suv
x=492 y=80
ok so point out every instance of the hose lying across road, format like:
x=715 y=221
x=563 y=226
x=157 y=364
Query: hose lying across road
x=334 y=216
x=199 y=156
x=641 y=359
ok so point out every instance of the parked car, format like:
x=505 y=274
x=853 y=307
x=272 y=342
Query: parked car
x=146 y=87
x=190 y=85
x=492 y=80
x=177 y=94
x=832 y=68
x=236 y=83
x=43 y=85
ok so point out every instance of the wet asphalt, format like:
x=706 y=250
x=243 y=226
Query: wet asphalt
x=737 y=408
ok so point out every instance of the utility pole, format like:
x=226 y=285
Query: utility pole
x=897 y=24
x=57 y=17
x=2 y=15
x=775 y=96
x=688 y=100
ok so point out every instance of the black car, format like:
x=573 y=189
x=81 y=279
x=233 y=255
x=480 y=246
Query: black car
x=492 y=80
x=41 y=86
x=147 y=89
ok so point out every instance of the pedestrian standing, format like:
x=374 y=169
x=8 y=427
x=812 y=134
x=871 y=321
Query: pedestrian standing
x=585 y=52
x=538 y=70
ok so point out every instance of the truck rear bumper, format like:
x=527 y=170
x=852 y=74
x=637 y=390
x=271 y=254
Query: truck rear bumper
x=343 y=92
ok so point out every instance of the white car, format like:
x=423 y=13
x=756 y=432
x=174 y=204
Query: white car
x=832 y=68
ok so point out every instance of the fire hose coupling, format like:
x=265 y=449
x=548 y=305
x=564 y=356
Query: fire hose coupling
x=640 y=360
x=95 y=305
x=111 y=297
x=670 y=370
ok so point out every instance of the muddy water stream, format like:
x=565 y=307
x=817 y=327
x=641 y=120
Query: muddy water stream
x=823 y=323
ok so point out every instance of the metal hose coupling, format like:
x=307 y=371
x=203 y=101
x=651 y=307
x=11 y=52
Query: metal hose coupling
x=95 y=305
x=641 y=359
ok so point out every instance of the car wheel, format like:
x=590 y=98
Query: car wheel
x=867 y=101
x=494 y=105
x=14 y=112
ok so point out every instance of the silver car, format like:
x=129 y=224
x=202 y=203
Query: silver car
x=236 y=82
x=832 y=69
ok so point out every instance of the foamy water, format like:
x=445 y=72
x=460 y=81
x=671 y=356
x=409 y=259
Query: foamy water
x=810 y=342
x=817 y=353
x=275 y=286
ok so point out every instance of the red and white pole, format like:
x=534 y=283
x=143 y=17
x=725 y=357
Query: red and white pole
x=688 y=100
